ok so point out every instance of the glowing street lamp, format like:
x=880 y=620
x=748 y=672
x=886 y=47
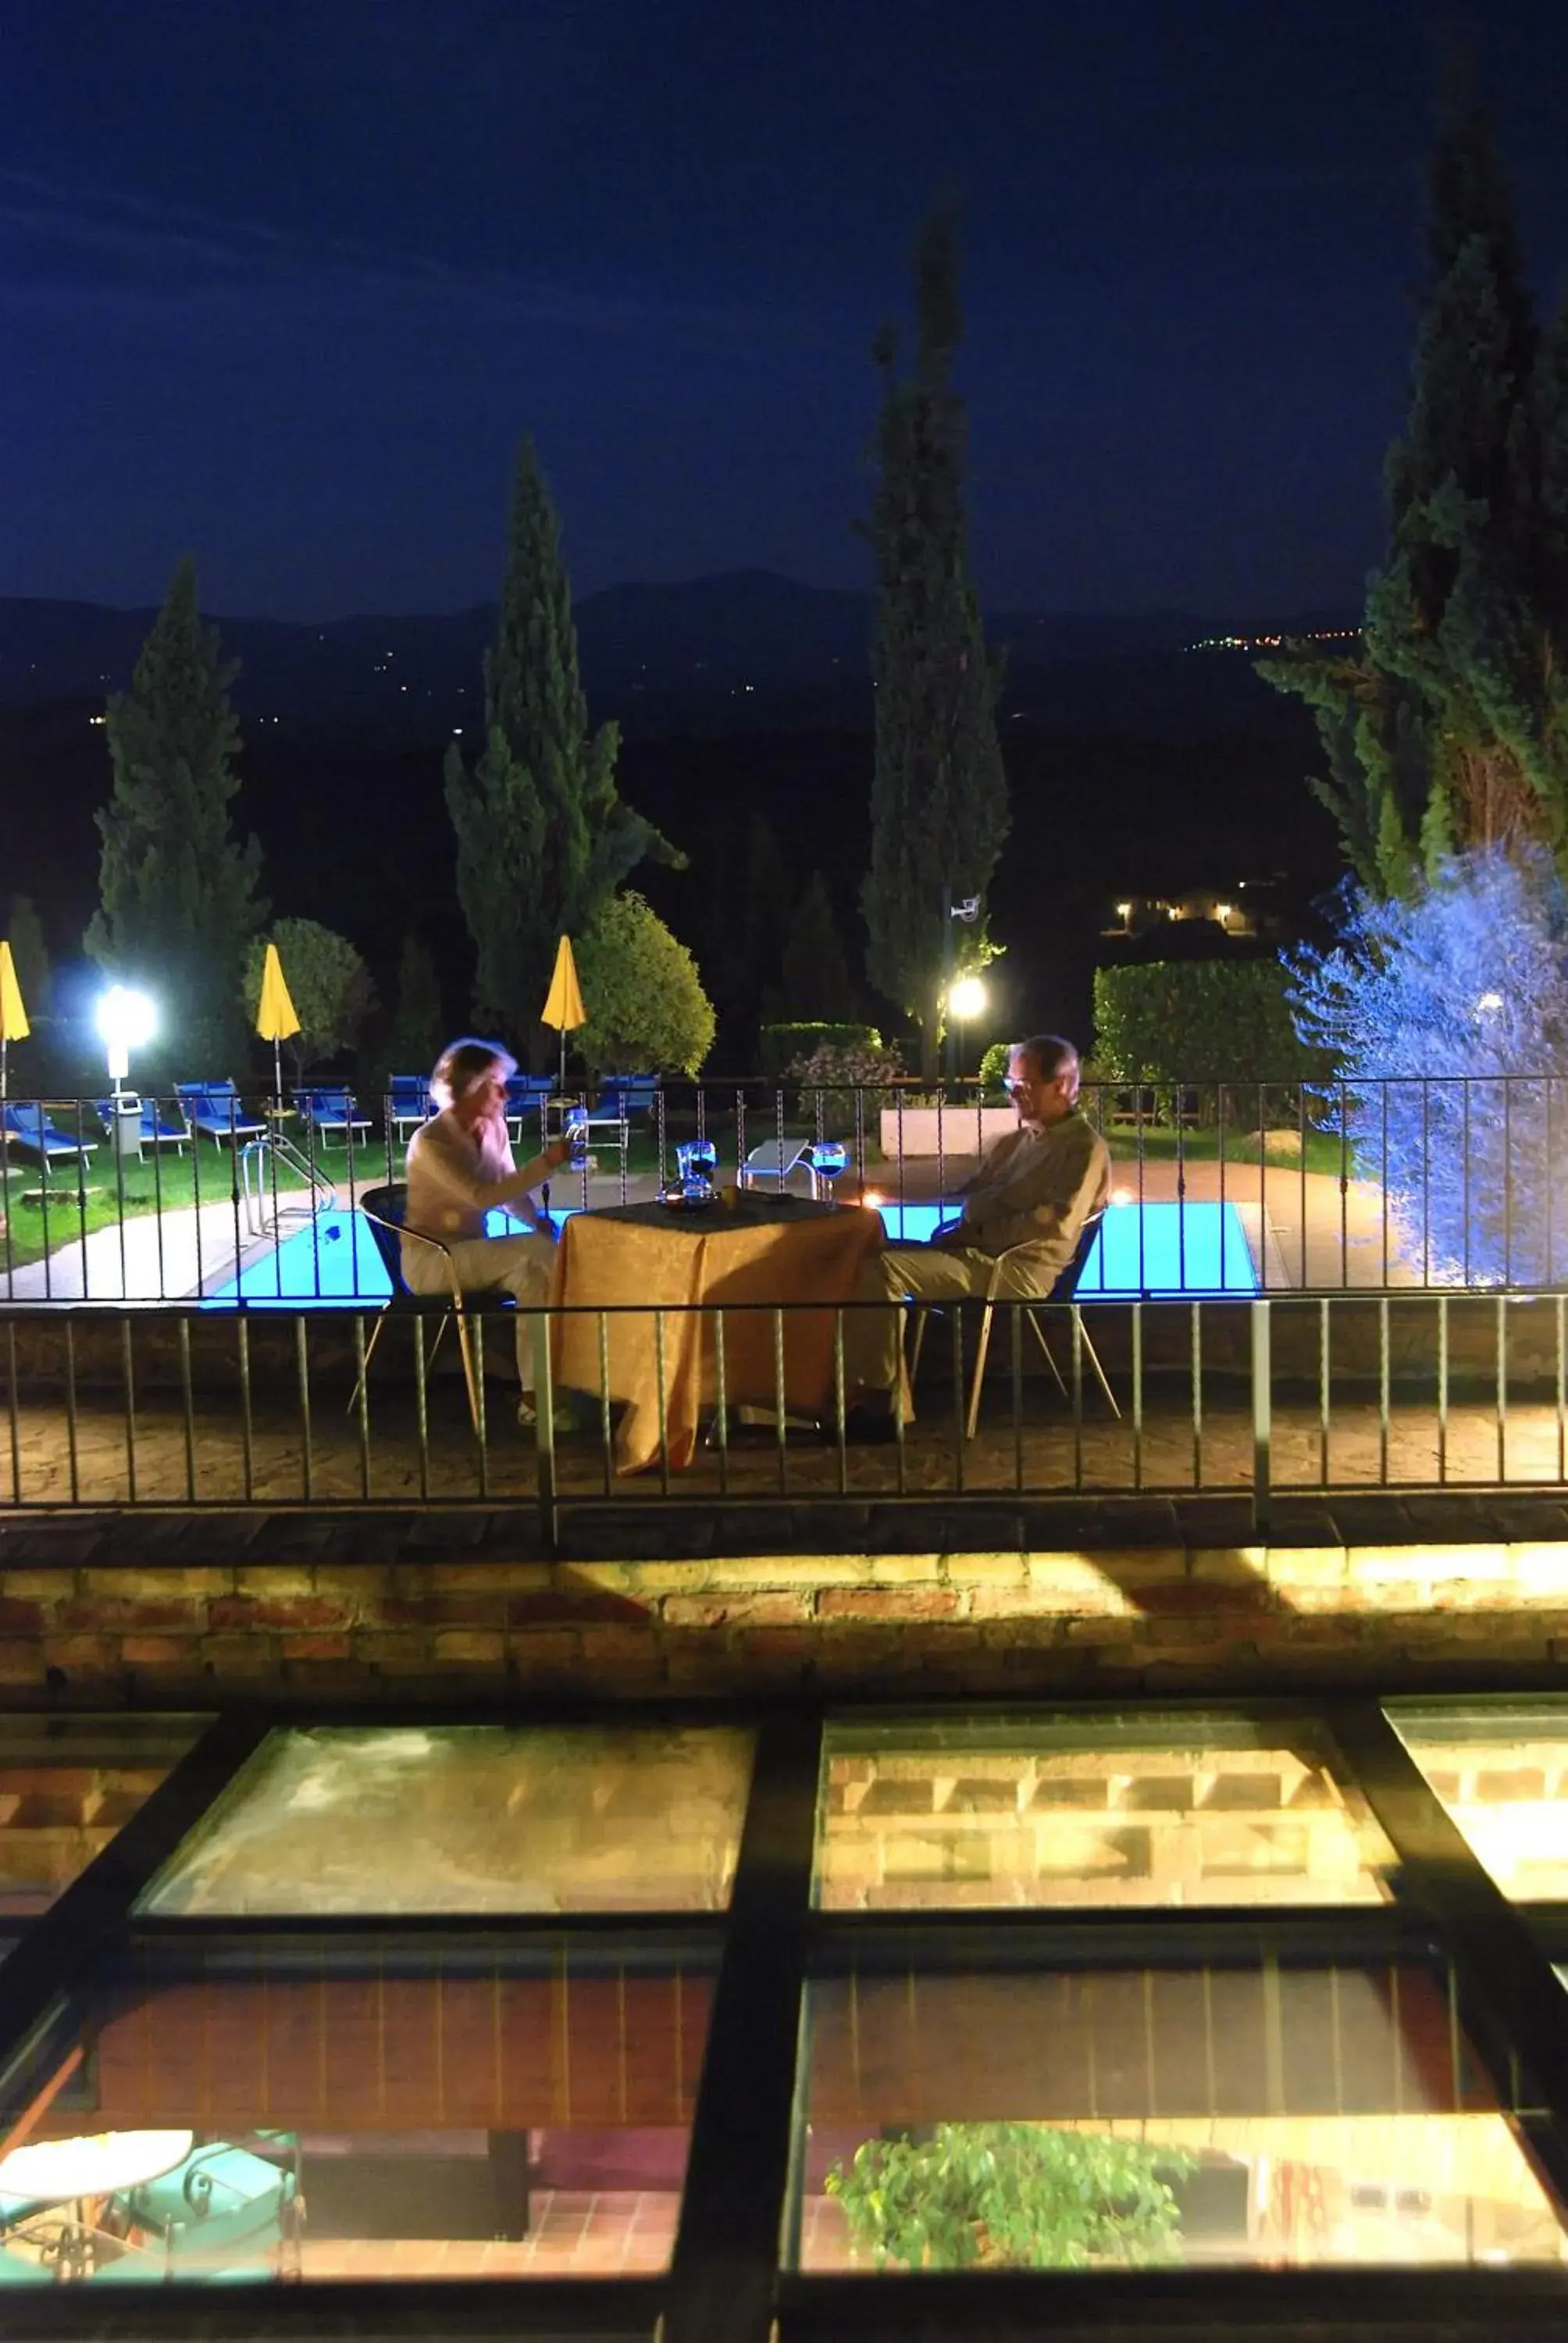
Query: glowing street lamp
x=967 y=998
x=125 y=1022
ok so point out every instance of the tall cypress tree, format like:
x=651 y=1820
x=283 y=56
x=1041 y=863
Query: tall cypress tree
x=1449 y=727
x=938 y=795
x=543 y=839
x=177 y=900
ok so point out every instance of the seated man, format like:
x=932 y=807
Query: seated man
x=1035 y=1187
x=459 y=1164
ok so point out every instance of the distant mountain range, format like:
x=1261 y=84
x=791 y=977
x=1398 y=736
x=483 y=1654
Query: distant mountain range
x=745 y=650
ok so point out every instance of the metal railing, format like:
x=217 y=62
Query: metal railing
x=183 y=1405
x=1437 y=1183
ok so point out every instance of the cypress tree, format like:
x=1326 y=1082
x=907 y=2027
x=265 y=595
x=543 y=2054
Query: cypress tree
x=816 y=969
x=543 y=839
x=938 y=795
x=1446 y=730
x=178 y=901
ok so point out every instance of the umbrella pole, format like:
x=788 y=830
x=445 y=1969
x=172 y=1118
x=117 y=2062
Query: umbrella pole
x=277 y=1071
x=563 y=1057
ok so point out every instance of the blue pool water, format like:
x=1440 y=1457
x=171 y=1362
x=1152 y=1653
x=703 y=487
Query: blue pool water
x=1160 y=1250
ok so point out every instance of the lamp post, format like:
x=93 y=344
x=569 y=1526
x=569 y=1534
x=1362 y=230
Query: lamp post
x=968 y=911
x=125 y=1021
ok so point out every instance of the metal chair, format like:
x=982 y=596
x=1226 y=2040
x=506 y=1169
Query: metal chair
x=1061 y=1296
x=383 y=1208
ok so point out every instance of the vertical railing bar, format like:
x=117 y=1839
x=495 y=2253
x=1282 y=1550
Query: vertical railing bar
x=839 y=1402
x=1442 y=1389
x=1502 y=1389
x=960 y=1394
x=659 y=1369
x=781 y=1408
x=1344 y=1192
x=13 y=1410
x=422 y=1403
x=1263 y=1415
x=1077 y=1320
x=1325 y=1376
x=1562 y=1388
x=1197 y=1372
x=1508 y=1180
x=1383 y=1381
x=302 y=1371
x=247 y=1422
x=1138 y=1393
x=1017 y=1375
x=1465 y=1173
x=188 y=1397
x=606 y=1459
x=362 y=1406
x=73 y=1420
x=128 y=1368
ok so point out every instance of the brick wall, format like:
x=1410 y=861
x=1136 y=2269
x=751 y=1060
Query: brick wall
x=1158 y=1618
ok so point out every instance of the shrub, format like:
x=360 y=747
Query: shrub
x=1221 y=1030
x=993 y=1065
x=328 y=982
x=1425 y=1005
x=831 y=1077
x=781 y=1045
x=646 y=1009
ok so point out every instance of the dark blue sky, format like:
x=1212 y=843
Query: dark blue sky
x=283 y=280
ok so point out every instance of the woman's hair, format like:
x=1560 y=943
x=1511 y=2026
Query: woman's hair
x=463 y=1063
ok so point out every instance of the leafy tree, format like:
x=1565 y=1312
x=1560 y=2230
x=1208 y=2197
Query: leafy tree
x=415 y=1035
x=816 y=967
x=543 y=839
x=1447 y=729
x=1425 y=1004
x=30 y=954
x=646 y=1009
x=938 y=795
x=1216 y=1033
x=328 y=982
x=177 y=900
x=1011 y=2196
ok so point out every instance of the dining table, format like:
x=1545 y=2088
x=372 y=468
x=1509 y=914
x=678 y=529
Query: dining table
x=646 y=1298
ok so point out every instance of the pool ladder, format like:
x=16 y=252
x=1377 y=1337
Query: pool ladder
x=257 y=1193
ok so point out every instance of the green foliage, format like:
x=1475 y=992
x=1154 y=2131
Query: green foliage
x=415 y=1034
x=816 y=966
x=648 y=1012
x=840 y=1080
x=1011 y=2196
x=328 y=982
x=1447 y=729
x=993 y=1065
x=938 y=795
x=1225 y=1023
x=779 y=1046
x=543 y=839
x=30 y=956
x=178 y=901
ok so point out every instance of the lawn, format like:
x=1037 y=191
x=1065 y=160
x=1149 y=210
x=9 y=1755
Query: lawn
x=41 y=1213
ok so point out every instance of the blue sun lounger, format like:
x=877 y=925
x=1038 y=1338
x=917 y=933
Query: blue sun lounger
x=408 y=1103
x=26 y=1124
x=214 y=1110
x=331 y=1112
x=156 y=1131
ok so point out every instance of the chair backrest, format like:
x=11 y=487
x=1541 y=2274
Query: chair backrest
x=333 y=1104
x=1066 y=1286
x=26 y=1121
x=627 y=1093
x=528 y=1089
x=218 y=1095
x=384 y=1209
x=409 y=1092
x=778 y=1157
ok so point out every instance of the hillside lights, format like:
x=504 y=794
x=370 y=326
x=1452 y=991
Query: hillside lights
x=125 y=1021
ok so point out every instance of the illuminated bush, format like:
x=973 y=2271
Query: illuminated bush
x=1447 y=1016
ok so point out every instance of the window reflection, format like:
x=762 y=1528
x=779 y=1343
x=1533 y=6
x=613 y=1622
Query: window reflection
x=1097 y=2120
x=407 y=2118
x=66 y=1786
x=1500 y=1770
x=1152 y=1810
x=471 y=1818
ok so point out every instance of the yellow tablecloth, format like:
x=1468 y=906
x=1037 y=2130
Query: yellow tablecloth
x=716 y=1260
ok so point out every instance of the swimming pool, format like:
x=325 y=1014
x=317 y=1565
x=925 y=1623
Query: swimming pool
x=1162 y=1250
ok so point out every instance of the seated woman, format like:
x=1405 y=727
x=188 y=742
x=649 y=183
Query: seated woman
x=459 y=1164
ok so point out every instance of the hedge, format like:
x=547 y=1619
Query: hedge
x=781 y=1045
x=1213 y=1021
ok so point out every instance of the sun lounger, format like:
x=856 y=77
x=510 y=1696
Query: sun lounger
x=331 y=1113
x=408 y=1104
x=26 y=1125
x=156 y=1131
x=214 y=1110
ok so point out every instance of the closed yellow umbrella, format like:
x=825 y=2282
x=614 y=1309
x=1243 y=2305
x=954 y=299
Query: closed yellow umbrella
x=13 y=1025
x=564 y=1002
x=275 y=1017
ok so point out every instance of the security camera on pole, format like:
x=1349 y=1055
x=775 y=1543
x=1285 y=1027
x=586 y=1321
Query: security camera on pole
x=968 y=911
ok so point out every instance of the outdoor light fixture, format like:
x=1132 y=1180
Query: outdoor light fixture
x=967 y=998
x=125 y=1020
x=1222 y=912
x=1488 y=1004
x=1124 y=914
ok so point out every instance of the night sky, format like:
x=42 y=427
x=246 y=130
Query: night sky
x=283 y=281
